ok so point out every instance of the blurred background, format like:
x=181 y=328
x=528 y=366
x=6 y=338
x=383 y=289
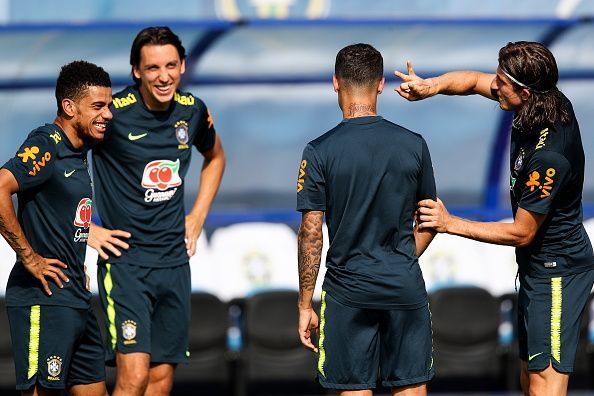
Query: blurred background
x=264 y=68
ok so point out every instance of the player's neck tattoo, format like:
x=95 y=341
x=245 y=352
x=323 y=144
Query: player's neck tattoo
x=361 y=110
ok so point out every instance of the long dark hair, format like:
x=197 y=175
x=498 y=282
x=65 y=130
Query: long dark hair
x=533 y=65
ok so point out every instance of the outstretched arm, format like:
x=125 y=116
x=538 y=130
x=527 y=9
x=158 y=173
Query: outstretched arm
x=11 y=230
x=309 y=254
x=520 y=233
x=210 y=180
x=414 y=87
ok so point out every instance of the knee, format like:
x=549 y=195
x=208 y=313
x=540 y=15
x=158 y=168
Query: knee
x=133 y=382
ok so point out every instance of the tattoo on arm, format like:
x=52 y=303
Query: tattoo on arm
x=13 y=239
x=309 y=252
x=361 y=109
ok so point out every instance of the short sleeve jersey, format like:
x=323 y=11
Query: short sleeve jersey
x=139 y=171
x=547 y=177
x=54 y=211
x=367 y=174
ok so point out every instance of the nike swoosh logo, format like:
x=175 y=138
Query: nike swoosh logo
x=68 y=174
x=136 y=137
x=530 y=357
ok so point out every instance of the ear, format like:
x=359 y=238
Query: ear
x=525 y=94
x=380 y=87
x=69 y=107
x=136 y=72
x=335 y=83
x=183 y=66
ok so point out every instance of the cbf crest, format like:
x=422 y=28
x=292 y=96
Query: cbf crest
x=519 y=161
x=182 y=134
x=129 y=332
x=54 y=368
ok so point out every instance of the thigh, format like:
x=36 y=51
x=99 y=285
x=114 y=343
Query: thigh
x=551 y=313
x=87 y=364
x=171 y=315
x=127 y=303
x=348 y=346
x=406 y=347
x=43 y=339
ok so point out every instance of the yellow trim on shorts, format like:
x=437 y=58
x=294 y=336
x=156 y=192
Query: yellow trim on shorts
x=34 y=329
x=108 y=284
x=322 y=355
x=556 y=307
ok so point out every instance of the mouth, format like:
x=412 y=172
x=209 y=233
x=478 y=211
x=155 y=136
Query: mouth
x=163 y=89
x=100 y=126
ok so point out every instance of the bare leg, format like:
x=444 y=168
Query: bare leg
x=132 y=376
x=94 y=389
x=356 y=393
x=411 y=390
x=548 y=382
x=37 y=390
x=160 y=379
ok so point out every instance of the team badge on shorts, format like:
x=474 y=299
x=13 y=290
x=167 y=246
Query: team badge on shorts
x=54 y=368
x=181 y=133
x=129 y=332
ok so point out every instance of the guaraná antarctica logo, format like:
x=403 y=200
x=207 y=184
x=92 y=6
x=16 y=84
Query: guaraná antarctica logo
x=83 y=219
x=160 y=175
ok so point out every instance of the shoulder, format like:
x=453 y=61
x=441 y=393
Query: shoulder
x=47 y=137
x=404 y=131
x=127 y=98
x=327 y=137
x=187 y=99
x=548 y=157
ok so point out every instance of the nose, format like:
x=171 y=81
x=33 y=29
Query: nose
x=106 y=114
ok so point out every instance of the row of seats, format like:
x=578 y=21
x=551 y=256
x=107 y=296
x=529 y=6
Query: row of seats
x=251 y=345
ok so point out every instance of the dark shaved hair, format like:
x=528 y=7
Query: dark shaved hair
x=359 y=65
x=154 y=35
x=76 y=78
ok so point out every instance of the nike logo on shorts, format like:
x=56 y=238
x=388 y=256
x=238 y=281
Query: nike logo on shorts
x=68 y=174
x=530 y=357
x=136 y=137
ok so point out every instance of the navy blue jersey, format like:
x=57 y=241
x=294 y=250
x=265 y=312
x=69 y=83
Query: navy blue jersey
x=367 y=174
x=54 y=211
x=547 y=177
x=139 y=171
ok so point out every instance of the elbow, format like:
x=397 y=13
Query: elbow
x=525 y=240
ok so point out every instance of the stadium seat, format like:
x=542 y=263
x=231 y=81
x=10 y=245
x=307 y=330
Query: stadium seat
x=273 y=356
x=465 y=335
x=253 y=257
x=208 y=366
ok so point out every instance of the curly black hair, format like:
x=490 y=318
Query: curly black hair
x=76 y=77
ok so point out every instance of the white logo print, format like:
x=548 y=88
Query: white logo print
x=160 y=175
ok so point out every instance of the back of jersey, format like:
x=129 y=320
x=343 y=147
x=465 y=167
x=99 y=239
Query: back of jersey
x=368 y=174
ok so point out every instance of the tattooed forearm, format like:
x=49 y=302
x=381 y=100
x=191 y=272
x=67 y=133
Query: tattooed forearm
x=309 y=253
x=10 y=228
x=361 y=109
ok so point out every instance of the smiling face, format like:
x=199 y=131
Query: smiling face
x=91 y=113
x=509 y=96
x=159 y=73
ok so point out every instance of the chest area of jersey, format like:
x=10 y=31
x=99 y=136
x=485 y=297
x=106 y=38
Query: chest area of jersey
x=69 y=194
